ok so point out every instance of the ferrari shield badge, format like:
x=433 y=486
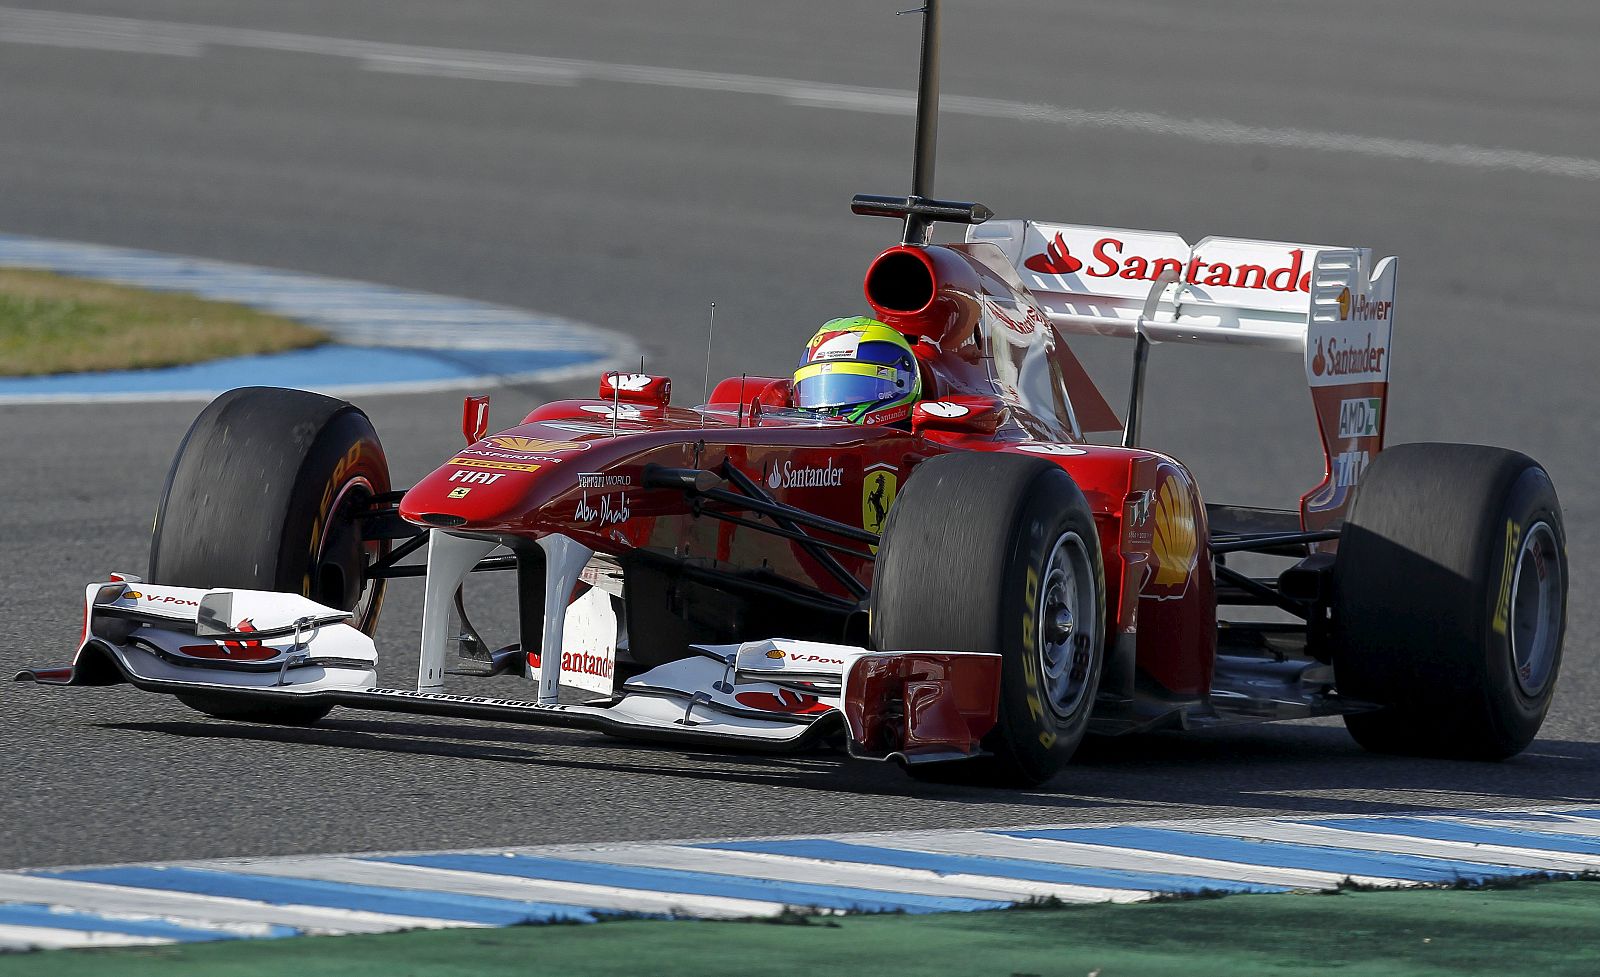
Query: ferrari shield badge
x=877 y=495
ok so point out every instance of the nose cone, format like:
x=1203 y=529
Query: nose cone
x=468 y=490
x=487 y=483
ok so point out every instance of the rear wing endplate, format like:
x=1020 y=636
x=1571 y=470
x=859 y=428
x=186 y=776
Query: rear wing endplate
x=1332 y=305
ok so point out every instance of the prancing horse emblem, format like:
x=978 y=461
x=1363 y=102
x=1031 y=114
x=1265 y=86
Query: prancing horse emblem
x=877 y=497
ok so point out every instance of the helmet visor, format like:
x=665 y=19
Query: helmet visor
x=824 y=385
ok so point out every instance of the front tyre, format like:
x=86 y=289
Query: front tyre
x=1450 y=601
x=998 y=553
x=264 y=494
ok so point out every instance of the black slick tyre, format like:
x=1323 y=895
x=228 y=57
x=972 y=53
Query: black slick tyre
x=263 y=495
x=998 y=553
x=1450 y=601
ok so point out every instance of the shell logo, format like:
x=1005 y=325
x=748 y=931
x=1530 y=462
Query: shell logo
x=510 y=443
x=1173 y=541
x=1344 y=303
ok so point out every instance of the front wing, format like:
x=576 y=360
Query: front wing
x=770 y=696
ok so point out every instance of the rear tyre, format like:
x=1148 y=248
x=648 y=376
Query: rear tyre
x=998 y=553
x=1450 y=601
x=263 y=495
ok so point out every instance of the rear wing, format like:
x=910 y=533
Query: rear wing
x=1331 y=305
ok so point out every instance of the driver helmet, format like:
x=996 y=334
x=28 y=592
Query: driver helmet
x=860 y=370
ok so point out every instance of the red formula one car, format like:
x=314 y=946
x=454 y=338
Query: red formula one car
x=969 y=591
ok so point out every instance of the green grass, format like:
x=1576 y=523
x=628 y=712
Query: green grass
x=1551 y=929
x=51 y=324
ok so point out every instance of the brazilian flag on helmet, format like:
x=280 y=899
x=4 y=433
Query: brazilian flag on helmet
x=856 y=369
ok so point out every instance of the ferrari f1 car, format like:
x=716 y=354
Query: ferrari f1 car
x=969 y=593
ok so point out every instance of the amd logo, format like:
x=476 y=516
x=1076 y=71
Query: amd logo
x=1359 y=418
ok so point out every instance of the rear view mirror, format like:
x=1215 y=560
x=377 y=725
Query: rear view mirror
x=963 y=414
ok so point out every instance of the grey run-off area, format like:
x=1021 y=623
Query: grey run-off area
x=1458 y=136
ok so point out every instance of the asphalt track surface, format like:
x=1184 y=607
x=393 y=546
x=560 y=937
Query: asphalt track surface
x=1457 y=135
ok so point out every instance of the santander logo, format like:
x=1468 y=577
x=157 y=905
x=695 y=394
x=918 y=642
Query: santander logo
x=1348 y=360
x=783 y=700
x=1107 y=260
x=1057 y=259
x=789 y=475
x=245 y=649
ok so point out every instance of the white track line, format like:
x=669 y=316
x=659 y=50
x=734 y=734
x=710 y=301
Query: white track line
x=345 y=390
x=884 y=878
x=160 y=37
x=982 y=845
x=1587 y=827
x=199 y=910
x=996 y=882
x=14 y=937
x=1460 y=851
x=355 y=313
x=356 y=871
x=352 y=313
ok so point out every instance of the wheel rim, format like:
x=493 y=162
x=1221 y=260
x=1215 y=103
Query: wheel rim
x=352 y=494
x=1537 y=595
x=1068 y=626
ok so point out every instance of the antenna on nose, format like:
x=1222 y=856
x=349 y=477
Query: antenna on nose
x=919 y=210
x=711 y=330
x=927 y=102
